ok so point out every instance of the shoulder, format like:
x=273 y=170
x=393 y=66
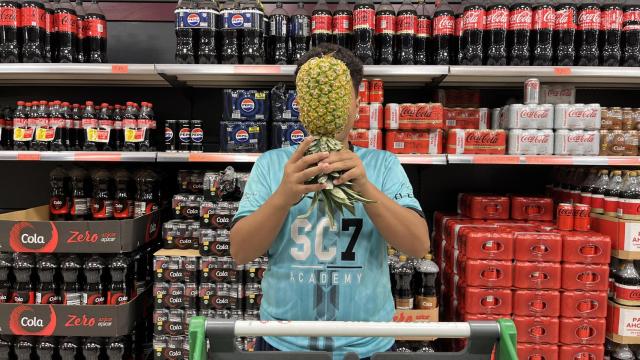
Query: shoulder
x=276 y=156
x=374 y=157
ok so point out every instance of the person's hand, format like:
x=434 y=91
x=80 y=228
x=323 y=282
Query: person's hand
x=299 y=169
x=347 y=161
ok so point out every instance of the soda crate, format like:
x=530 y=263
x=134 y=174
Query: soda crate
x=31 y=231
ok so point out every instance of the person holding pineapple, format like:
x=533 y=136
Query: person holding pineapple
x=324 y=263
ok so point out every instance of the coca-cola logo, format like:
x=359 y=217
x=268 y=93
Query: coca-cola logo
x=9 y=16
x=408 y=112
x=497 y=19
x=611 y=19
x=565 y=19
x=474 y=20
x=581 y=138
x=583 y=113
x=423 y=112
x=32 y=321
x=589 y=19
x=534 y=114
x=443 y=25
x=520 y=19
x=544 y=18
x=565 y=211
x=24 y=237
x=535 y=139
x=482 y=138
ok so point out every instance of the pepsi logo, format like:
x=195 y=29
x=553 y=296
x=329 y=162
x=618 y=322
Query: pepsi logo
x=168 y=134
x=185 y=134
x=294 y=105
x=297 y=136
x=247 y=105
x=237 y=20
x=242 y=136
x=193 y=19
x=197 y=135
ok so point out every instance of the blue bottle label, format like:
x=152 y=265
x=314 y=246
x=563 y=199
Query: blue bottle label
x=194 y=19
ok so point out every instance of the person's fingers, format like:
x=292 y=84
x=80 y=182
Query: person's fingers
x=302 y=148
x=348 y=176
x=312 y=188
x=345 y=165
x=310 y=173
x=339 y=156
x=310 y=160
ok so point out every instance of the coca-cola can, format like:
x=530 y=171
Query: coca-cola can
x=581 y=217
x=376 y=91
x=576 y=142
x=531 y=91
x=557 y=94
x=530 y=142
x=578 y=117
x=565 y=217
x=392 y=116
x=495 y=118
x=530 y=116
x=484 y=119
x=363 y=91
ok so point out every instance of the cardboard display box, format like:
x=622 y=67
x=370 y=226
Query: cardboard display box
x=624 y=234
x=31 y=231
x=623 y=323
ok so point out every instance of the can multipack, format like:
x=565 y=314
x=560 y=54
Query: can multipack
x=241 y=136
x=577 y=142
x=284 y=104
x=619 y=142
x=286 y=134
x=409 y=142
x=578 y=117
x=467 y=141
x=422 y=116
x=366 y=138
x=531 y=208
x=466 y=118
x=557 y=94
x=484 y=206
x=370 y=116
x=530 y=142
x=246 y=105
x=520 y=116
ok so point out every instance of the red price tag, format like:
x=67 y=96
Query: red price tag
x=496 y=159
x=119 y=69
x=257 y=69
x=549 y=160
x=562 y=71
x=28 y=156
x=81 y=156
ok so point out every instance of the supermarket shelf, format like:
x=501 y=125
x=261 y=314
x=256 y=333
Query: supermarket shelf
x=81 y=74
x=208 y=157
x=101 y=156
x=544 y=160
x=511 y=75
x=423 y=159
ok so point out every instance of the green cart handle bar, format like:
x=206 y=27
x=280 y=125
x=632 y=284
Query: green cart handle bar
x=483 y=337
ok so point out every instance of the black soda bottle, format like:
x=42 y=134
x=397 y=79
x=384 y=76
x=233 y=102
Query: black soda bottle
x=70 y=348
x=94 y=291
x=118 y=128
x=23 y=266
x=32 y=27
x=106 y=137
x=252 y=34
x=92 y=348
x=79 y=206
x=59 y=196
x=9 y=25
x=130 y=125
x=6 y=262
x=458 y=41
x=81 y=29
x=42 y=126
x=611 y=34
x=589 y=17
x=118 y=348
x=422 y=41
x=185 y=53
x=122 y=200
x=425 y=284
x=232 y=23
x=77 y=133
x=119 y=289
x=564 y=34
x=343 y=25
x=474 y=20
x=321 y=23
x=89 y=127
x=22 y=134
x=46 y=347
x=66 y=22
x=147 y=121
x=300 y=32
x=70 y=266
x=278 y=41
x=544 y=19
x=48 y=291
x=102 y=200
x=443 y=32
x=24 y=347
x=58 y=125
x=496 y=34
x=364 y=25
x=385 y=33
x=631 y=35
x=146 y=200
x=519 y=33
x=406 y=22
x=402 y=294
x=627 y=284
x=95 y=38
x=207 y=53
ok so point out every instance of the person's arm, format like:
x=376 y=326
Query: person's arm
x=401 y=226
x=253 y=234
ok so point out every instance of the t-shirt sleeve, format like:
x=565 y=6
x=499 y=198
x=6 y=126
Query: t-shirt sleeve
x=256 y=191
x=397 y=186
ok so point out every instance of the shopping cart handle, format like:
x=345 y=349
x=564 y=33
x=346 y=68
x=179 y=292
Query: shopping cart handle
x=197 y=337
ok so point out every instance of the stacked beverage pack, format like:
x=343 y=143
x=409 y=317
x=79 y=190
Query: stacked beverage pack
x=619 y=131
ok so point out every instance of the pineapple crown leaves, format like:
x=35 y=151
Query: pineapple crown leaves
x=324 y=91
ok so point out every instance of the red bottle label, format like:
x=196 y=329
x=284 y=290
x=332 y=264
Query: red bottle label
x=80 y=29
x=443 y=25
x=589 y=19
x=89 y=123
x=48 y=23
x=627 y=292
x=520 y=19
x=95 y=299
x=474 y=19
x=96 y=28
x=566 y=19
x=321 y=24
x=597 y=202
x=611 y=19
x=364 y=19
x=31 y=16
x=497 y=19
x=406 y=24
x=385 y=24
x=458 y=26
x=122 y=209
x=58 y=206
x=66 y=22
x=8 y=16
x=118 y=298
x=544 y=18
x=633 y=15
x=610 y=205
x=629 y=207
x=342 y=24
x=424 y=27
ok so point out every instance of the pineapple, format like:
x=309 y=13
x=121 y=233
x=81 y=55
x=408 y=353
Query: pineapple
x=325 y=93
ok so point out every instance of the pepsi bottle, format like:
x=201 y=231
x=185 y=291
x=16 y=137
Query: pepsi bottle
x=496 y=34
x=364 y=25
x=278 y=41
x=385 y=33
x=421 y=53
x=300 y=30
x=443 y=33
x=564 y=34
x=208 y=30
x=611 y=34
x=518 y=36
x=9 y=26
x=474 y=20
x=321 y=23
x=631 y=35
x=185 y=52
x=343 y=25
x=252 y=47
x=232 y=23
x=406 y=22
x=589 y=17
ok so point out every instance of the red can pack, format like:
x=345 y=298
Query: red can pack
x=580 y=352
x=536 y=302
x=537 y=246
x=486 y=301
x=363 y=91
x=467 y=141
x=537 y=329
x=371 y=139
x=429 y=116
x=466 y=118
x=538 y=352
x=582 y=331
x=590 y=304
x=483 y=206
x=593 y=277
x=487 y=273
x=408 y=142
x=586 y=247
x=531 y=208
x=486 y=243
x=369 y=116
x=537 y=275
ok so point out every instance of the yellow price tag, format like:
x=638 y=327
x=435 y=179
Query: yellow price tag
x=18 y=134
x=41 y=134
x=92 y=134
x=254 y=129
x=261 y=95
x=129 y=135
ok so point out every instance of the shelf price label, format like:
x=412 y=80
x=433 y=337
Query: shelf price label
x=562 y=71
x=119 y=69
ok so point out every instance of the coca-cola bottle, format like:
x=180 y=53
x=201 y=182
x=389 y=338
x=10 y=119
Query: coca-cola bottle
x=518 y=36
x=443 y=32
x=364 y=25
x=58 y=126
x=496 y=33
x=406 y=22
x=95 y=41
x=600 y=187
x=118 y=127
x=385 y=33
x=89 y=127
x=81 y=29
x=123 y=200
x=630 y=198
x=9 y=25
x=65 y=23
x=588 y=33
x=474 y=20
x=41 y=115
x=421 y=53
x=612 y=193
x=611 y=34
x=631 y=35
x=278 y=40
x=544 y=19
x=564 y=34
x=458 y=41
x=343 y=25
x=586 y=189
x=76 y=132
x=321 y=24
x=627 y=284
x=300 y=32
x=32 y=22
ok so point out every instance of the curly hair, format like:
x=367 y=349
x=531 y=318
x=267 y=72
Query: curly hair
x=353 y=63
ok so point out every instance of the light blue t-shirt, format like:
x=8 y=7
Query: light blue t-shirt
x=319 y=273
